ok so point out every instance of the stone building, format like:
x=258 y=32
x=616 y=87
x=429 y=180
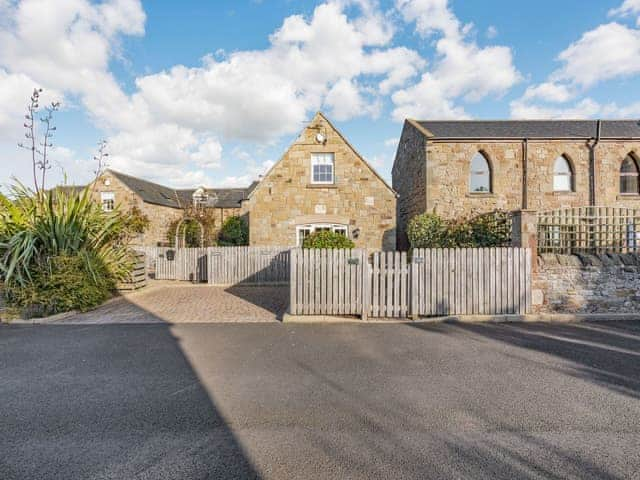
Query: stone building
x=163 y=205
x=322 y=183
x=462 y=168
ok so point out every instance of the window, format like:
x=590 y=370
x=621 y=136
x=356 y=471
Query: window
x=562 y=175
x=303 y=231
x=108 y=201
x=322 y=168
x=629 y=176
x=480 y=176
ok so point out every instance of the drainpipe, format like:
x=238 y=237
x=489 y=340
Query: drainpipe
x=525 y=166
x=592 y=144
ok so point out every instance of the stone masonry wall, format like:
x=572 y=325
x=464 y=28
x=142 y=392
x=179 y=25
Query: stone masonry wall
x=286 y=198
x=448 y=165
x=606 y=283
x=160 y=217
x=409 y=180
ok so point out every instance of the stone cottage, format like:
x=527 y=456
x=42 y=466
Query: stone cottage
x=462 y=168
x=164 y=205
x=322 y=183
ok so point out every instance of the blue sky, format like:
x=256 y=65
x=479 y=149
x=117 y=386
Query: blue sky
x=211 y=93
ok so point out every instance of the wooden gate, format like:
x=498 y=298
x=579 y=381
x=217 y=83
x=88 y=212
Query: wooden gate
x=187 y=264
x=327 y=281
x=471 y=281
x=248 y=265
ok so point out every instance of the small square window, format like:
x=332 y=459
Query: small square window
x=322 y=168
x=108 y=201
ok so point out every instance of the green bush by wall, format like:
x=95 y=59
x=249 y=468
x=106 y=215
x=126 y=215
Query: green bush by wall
x=327 y=239
x=429 y=230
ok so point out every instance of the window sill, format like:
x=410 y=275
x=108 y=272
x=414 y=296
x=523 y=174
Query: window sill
x=567 y=193
x=480 y=195
x=322 y=185
x=628 y=196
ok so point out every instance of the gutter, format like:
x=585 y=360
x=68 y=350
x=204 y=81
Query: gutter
x=525 y=168
x=592 y=144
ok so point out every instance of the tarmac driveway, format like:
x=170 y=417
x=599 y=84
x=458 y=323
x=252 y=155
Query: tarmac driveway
x=280 y=401
x=181 y=302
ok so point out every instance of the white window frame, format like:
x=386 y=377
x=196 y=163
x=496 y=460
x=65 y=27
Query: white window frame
x=313 y=227
x=318 y=159
x=108 y=197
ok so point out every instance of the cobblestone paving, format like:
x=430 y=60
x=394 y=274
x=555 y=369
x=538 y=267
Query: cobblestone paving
x=178 y=302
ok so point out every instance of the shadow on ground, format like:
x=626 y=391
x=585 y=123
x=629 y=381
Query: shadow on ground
x=108 y=402
x=606 y=353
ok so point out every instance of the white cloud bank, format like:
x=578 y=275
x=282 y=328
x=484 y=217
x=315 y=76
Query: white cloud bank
x=609 y=51
x=176 y=120
x=462 y=70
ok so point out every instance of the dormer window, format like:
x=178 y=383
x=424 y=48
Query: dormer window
x=322 y=168
x=200 y=198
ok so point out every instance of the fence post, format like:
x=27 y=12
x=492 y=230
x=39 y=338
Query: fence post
x=293 y=283
x=366 y=289
x=413 y=290
x=525 y=233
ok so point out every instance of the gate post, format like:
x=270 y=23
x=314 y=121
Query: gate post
x=524 y=233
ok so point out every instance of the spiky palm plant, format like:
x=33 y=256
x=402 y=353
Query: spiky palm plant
x=36 y=227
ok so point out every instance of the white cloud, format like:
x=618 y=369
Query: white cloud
x=526 y=110
x=628 y=8
x=262 y=94
x=492 y=32
x=549 y=92
x=609 y=51
x=462 y=69
x=391 y=142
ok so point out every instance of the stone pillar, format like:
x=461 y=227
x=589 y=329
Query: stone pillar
x=524 y=233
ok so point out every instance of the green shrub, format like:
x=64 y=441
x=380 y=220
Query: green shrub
x=234 y=231
x=429 y=230
x=59 y=251
x=62 y=284
x=327 y=239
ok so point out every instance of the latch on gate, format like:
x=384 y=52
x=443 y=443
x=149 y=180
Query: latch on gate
x=418 y=260
x=353 y=261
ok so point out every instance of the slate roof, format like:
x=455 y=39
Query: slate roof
x=160 y=195
x=149 y=192
x=219 y=197
x=530 y=128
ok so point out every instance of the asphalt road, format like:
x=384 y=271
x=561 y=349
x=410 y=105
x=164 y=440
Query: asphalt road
x=326 y=401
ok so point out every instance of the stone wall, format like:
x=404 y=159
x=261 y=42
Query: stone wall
x=605 y=283
x=286 y=198
x=447 y=176
x=410 y=157
x=160 y=217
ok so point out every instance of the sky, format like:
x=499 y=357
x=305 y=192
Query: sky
x=211 y=93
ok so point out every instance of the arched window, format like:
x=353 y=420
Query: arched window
x=562 y=175
x=480 y=175
x=629 y=176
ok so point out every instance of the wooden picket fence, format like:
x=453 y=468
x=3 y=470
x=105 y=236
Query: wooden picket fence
x=219 y=265
x=473 y=281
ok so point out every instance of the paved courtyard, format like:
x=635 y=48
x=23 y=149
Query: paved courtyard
x=279 y=401
x=181 y=302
